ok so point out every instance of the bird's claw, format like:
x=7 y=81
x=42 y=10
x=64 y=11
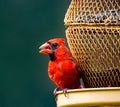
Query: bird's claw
x=55 y=91
x=65 y=92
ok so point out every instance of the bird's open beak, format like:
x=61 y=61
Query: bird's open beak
x=45 y=49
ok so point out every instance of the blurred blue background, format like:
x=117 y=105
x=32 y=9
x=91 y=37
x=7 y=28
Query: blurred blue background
x=24 y=26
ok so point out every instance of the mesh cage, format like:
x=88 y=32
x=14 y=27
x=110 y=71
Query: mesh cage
x=93 y=35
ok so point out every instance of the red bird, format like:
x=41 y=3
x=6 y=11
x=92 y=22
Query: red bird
x=62 y=68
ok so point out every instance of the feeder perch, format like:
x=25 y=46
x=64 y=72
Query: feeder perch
x=90 y=97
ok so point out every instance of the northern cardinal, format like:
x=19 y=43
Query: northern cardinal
x=62 y=68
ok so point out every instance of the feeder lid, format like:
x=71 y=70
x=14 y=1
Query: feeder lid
x=93 y=12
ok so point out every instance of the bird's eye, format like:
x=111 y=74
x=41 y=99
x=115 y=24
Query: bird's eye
x=54 y=44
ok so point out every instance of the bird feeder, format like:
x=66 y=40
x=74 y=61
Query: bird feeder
x=93 y=36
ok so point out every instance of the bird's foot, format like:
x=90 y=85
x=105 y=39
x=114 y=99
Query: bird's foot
x=65 y=92
x=55 y=91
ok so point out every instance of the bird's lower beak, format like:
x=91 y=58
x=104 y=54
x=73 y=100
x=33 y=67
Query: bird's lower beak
x=45 y=49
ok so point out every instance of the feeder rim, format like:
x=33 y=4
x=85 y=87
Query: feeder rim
x=90 y=89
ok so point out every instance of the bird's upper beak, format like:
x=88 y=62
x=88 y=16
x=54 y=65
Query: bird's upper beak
x=45 y=48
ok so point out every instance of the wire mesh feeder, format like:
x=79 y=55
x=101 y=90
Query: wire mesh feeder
x=93 y=35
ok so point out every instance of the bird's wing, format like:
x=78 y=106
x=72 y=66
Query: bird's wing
x=69 y=67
